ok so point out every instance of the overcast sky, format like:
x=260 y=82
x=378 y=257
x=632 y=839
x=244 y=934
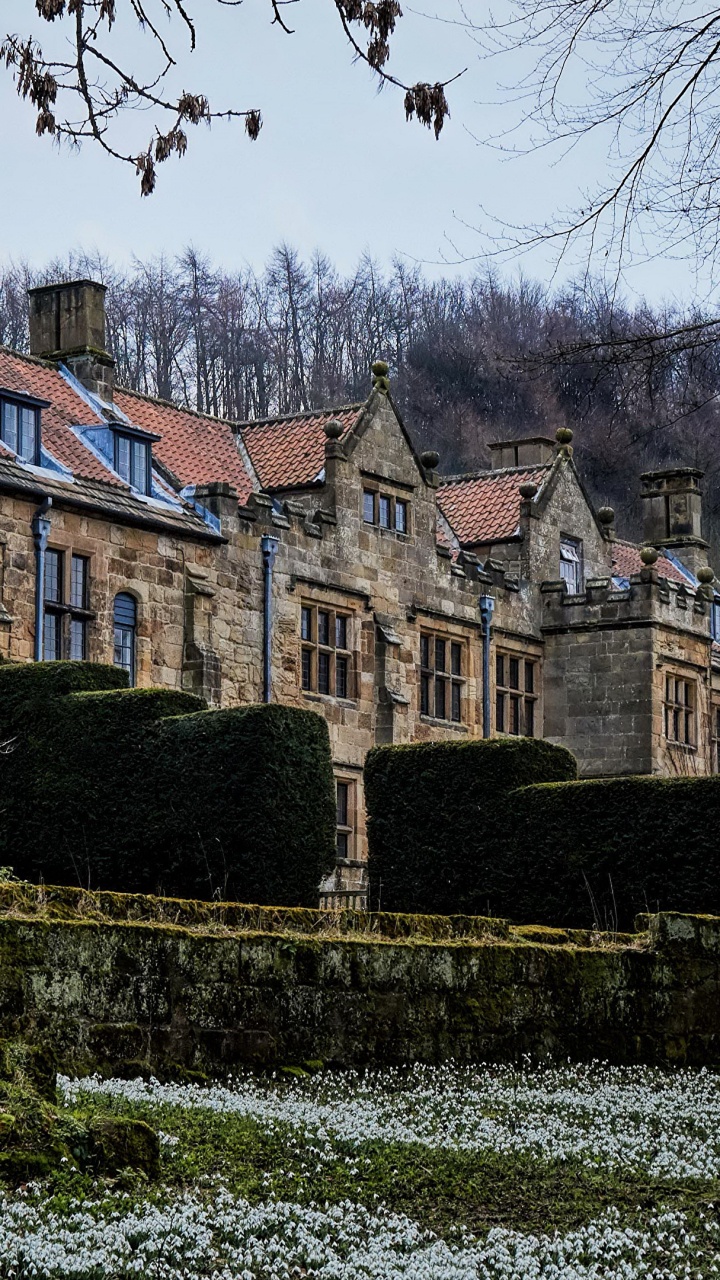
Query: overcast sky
x=336 y=166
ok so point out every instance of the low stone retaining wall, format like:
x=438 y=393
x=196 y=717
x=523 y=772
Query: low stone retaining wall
x=116 y=982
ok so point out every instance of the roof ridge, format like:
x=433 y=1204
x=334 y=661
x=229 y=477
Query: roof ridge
x=179 y=408
x=301 y=413
x=637 y=546
x=464 y=476
x=25 y=355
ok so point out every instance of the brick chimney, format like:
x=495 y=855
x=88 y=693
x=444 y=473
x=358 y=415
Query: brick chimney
x=534 y=451
x=672 y=514
x=67 y=322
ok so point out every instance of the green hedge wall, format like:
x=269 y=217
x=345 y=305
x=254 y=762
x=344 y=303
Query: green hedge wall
x=245 y=805
x=143 y=790
x=438 y=815
x=598 y=852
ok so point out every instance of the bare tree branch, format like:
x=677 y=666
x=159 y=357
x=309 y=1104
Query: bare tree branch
x=99 y=90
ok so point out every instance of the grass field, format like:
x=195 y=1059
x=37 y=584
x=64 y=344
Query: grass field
x=444 y=1173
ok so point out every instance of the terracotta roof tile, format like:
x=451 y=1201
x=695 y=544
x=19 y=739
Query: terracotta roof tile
x=485 y=508
x=290 y=452
x=195 y=447
x=23 y=373
x=626 y=560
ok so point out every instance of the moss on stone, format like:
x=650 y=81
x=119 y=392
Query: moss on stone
x=119 y=1142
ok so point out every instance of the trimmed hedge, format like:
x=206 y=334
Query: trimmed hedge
x=601 y=851
x=245 y=806
x=76 y=735
x=437 y=820
x=143 y=790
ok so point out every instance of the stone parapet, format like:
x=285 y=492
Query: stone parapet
x=648 y=599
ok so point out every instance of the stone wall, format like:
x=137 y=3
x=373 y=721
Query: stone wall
x=126 y=984
x=607 y=656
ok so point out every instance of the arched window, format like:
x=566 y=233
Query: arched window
x=125 y=619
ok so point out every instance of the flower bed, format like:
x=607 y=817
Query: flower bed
x=574 y=1173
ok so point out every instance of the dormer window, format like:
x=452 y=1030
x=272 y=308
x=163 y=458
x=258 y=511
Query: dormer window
x=20 y=424
x=133 y=460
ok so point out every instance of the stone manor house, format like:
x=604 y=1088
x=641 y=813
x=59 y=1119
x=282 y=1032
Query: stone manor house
x=315 y=559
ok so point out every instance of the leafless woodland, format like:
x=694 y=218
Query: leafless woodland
x=472 y=360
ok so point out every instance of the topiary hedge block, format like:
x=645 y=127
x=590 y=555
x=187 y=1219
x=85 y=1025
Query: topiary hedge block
x=597 y=853
x=437 y=819
x=142 y=790
x=250 y=813
x=68 y=784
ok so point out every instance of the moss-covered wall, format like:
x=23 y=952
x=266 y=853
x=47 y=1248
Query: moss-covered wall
x=112 y=984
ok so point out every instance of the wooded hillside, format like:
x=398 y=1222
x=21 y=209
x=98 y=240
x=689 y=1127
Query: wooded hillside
x=471 y=360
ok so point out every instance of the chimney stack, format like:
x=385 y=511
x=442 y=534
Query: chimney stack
x=67 y=323
x=533 y=451
x=672 y=514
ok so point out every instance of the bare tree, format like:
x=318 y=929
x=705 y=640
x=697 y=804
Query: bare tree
x=99 y=88
x=642 y=75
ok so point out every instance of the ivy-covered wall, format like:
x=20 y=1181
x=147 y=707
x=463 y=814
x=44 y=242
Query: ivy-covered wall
x=113 y=984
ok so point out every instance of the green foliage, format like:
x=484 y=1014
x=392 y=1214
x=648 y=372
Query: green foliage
x=244 y=806
x=598 y=852
x=143 y=789
x=77 y=737
x=437 y=819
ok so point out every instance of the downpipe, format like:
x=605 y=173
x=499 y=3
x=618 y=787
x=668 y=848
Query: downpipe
x=487 y=608
x=269 y=548
x=41 y=532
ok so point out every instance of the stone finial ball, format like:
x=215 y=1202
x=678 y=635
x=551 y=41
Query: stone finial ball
x=705 y=575
x=430 y=459
x=528 y=489
x=563 y=435
x=606 y=515
x=648 y=555
x=380 y=368
x=333 y=429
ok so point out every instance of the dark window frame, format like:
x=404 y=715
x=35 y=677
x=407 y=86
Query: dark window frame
x=326 y=666
x=680 y=711
x=572 y=564
x=21 y=405
x=375 y=498
x=443 y=679
x=345 y=818
x=125 y=632
x=516 y=693
x=715 y=735
x=53 y=605
x=129 y=473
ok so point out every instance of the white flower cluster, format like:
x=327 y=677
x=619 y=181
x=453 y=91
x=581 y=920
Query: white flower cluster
x=227 y=1239
x=665 y=1124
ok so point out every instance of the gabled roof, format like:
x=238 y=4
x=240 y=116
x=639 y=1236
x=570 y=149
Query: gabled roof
x=485 y=507
x=35 y=377
x=289 y=452
x=87 y=480
x=196 y=448
x=626 y=560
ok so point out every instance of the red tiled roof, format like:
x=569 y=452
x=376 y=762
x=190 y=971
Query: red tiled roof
x=195 y=447
x=626 y=560
x=486 y=508
x=22 y=373
x=289 y=453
